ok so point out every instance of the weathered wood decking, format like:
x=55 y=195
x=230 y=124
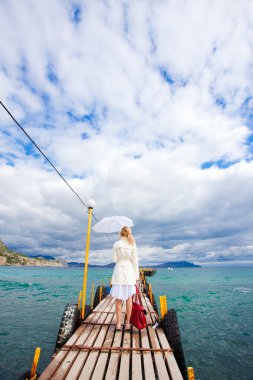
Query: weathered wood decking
x=97 y=351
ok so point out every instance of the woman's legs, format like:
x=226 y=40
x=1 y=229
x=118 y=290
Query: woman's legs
x=129 y=304
x=118 y=312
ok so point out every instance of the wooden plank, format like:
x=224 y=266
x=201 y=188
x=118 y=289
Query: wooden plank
x=112 y=366
x=100 y=368
x=53 y=365
x=93 y=355
x=170 y=358
x=71 y=356
x=89 y=341
x=158 y=356
x=147 y=303
x=125 y=357
x=61 y=355
x=147 y=358
x=90 y=317
x=101 y=304
x=136 y=356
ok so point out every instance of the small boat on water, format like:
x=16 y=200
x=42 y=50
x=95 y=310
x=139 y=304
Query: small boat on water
x=170 y=268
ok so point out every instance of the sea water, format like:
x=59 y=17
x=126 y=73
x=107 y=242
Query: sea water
x=214 y=308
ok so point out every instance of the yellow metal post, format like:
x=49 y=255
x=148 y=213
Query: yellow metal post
x=79 y=299
x=163 y=305
x=86 y=261
x=150 y=293
x=92 y=296
x=100 y=293
x=35 y=363
x=191 y=373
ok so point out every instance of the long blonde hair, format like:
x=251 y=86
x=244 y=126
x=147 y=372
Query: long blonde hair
x=126 y=232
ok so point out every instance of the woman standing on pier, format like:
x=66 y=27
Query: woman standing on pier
x=125 y=275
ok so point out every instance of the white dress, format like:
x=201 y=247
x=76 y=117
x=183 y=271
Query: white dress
x=122 y=292
x=126 y=270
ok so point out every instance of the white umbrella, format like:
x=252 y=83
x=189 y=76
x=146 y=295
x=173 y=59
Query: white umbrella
x=112 y=224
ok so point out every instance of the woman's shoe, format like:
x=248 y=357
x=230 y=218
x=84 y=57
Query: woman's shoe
x=118 y=327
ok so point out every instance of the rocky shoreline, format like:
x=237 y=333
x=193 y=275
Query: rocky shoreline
x=10 y=258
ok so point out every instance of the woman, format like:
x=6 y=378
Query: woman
x=125 y=274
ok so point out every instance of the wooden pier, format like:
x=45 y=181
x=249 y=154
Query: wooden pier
x=97 y=351
x=148 y=271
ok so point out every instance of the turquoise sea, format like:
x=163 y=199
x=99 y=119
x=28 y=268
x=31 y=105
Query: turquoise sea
x=214 y=307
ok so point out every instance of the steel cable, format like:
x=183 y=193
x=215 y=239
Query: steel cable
x=43 y=154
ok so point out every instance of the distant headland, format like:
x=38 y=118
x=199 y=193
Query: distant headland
x=176 y=264
x=11 y=258
x=168 y=264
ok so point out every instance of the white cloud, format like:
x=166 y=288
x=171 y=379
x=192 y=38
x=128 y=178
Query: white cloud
x=141 y=155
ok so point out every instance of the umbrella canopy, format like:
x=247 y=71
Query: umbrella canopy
x=112 y=224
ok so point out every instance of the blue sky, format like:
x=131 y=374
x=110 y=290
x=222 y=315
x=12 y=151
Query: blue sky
x=145 y=107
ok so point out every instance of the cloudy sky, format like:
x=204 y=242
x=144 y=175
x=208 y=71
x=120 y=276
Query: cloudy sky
x=145 y=106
